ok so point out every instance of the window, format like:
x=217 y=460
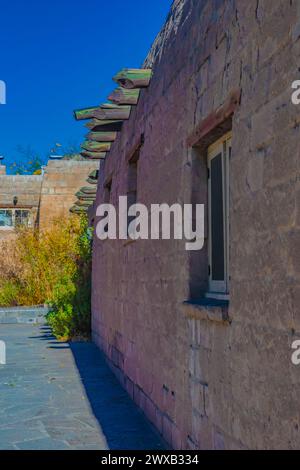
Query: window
x=6 y=218
x=107 y=196
x=22 y=217
x=11 y=218
x=218 y=215
x=132 y=182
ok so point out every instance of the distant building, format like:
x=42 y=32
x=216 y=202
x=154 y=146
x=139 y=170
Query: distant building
x=35 y=200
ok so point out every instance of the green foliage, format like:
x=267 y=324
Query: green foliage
x=53 y=267
x=70 y=303
x=8 y=293
x=62 y=321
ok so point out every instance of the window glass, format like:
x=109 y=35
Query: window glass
x=6 y=218
x=21 y=218
x=132 y=183
x=218 y=213
x=217 y=220
x=14 y=217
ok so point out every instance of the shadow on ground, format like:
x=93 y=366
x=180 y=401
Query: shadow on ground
x=122 y=423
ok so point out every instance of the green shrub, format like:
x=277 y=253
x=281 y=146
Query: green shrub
x=9 y=292
x=61 y=321
x=53 y=267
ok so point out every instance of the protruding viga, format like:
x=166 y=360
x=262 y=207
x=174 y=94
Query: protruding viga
x=78 y=210
x=96 y=146
x=105 y=125
x=85 y=197
x=109 y=111
x=84 y=203
x=86 y=113
x=93 y=155
x=94 y=174
x=112 y=111
x=91 y=181
x=123 y=96
x=88 y=190
x=102 y=136
x=133 y=78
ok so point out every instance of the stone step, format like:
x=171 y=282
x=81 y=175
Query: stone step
x=23 y=315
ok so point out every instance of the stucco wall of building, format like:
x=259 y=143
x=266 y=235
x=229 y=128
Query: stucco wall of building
x=62 y=179
x=27 y=190
x=206 y=383
x=49 y=196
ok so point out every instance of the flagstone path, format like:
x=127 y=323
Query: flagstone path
x=60 y=396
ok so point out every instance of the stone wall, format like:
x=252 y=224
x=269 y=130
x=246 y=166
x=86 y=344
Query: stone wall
x=62 y=179
x=27 y=189
x=48 y=196
x=204 y=382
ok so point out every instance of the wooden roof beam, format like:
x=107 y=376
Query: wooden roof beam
x=85 y=113
x=78 y=210
x=91 y=181
x=107 y=111
x=86 y=204
x=123 y=96
x=91 y=146
x=102 y=136
x=112 y=112
x=105 y=125
x=88 y=190
x=94 y=174
x=85 y=197
x=93 y=155
x=133 y=78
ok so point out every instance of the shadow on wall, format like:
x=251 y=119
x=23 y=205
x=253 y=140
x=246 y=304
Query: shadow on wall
x=122 y=423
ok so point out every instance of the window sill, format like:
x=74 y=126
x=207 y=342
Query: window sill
x=207 y=309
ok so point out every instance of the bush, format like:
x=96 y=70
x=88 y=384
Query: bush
x=52 y=267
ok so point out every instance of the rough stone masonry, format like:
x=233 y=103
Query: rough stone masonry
x=211 y=376
x=48 y=196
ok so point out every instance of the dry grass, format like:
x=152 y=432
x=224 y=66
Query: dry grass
x=51 y=267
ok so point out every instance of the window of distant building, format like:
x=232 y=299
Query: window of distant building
x=11 y=218
x=6 y=218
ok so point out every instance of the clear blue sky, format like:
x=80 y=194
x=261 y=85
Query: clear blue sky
x=58 y=55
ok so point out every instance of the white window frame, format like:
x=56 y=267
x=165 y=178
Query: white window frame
x=13 y=211
x=220 y=289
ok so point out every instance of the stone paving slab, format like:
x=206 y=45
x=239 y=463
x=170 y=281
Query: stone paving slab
x=23 y=315
x=63 y=396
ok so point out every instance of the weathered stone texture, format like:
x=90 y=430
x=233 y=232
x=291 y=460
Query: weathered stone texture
x=62 y=179
x=203 y=383
x=27 y=188
x=48 y=196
